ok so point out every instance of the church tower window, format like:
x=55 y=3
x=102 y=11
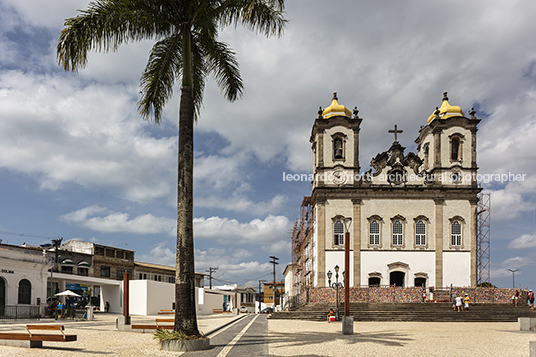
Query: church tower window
x=455 y=149
x=397 y=233
x=420 y=233
x=338 y=233
x=456 y=233
x=338 y=152
x=374 y=232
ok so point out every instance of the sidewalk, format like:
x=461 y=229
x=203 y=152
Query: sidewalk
x=400 y=339
x=100 y=337
x=300 y=338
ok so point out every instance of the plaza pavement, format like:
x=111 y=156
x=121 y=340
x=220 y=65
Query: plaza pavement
x=299 y=338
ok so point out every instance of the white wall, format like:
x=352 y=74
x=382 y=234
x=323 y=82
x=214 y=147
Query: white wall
x=456 y=268
x=211 y=301
x=337 y=258
x=376 y=261
x=13 y=269
x=138 y=297
x=113 y=295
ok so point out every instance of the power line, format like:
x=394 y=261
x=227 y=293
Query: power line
x=25 y=235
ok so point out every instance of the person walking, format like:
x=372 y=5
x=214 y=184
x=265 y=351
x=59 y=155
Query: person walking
x=459 y=303
x=466 y=302
x=107 y=307
x=531 y=299
x=516 y=297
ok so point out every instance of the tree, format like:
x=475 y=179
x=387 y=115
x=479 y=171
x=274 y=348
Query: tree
x=186 y=49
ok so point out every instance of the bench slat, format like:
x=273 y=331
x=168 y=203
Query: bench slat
x=165 y=320
x=45 y=327
x=166 y=313
x=36 y=337
x=151 y=327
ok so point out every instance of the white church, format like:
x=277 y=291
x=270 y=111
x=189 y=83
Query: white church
x=413 y=216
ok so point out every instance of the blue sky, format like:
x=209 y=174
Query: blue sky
x=76 y=160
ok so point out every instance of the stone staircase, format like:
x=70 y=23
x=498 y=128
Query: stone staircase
x=441 y=312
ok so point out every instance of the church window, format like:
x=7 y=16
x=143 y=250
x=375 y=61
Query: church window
x=456 y=233
x=25 y=292
x=455 y=148
x=338 y=149
x=374 y=233
x=420 y=233
x=397 y=232
x=374 y=281
x=338 y=233
x=426 y=156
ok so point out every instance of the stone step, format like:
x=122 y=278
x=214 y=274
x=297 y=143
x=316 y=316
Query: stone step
x=411 y=312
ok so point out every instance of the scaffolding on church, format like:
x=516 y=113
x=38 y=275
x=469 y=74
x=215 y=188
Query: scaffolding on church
x=483 y=238
x=302 y=249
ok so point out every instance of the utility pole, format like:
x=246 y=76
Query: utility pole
x=210 y=271
x=274 y=262
x=57 y=243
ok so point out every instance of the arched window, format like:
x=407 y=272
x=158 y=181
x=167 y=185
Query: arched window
x=374 y=232
x=426 y=157
x=337 y=148
x=397 y=232
x=25 y=292
x=2 y=293
x=455 y=233
x=420 y=233
x=338 y=233
x=455 y=149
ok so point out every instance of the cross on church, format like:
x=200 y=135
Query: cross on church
x=396 y=131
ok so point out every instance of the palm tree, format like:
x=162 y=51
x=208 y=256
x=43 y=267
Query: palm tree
x=186 y=48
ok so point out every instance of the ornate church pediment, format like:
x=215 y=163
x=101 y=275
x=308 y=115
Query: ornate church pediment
x=398 y=162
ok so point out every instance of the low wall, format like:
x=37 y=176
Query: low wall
x=390 y=294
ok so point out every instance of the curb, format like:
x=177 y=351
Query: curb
x=224 y=325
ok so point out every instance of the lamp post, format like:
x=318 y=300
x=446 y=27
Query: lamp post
x=513 y=276
x=347 y=224
x=335 y=285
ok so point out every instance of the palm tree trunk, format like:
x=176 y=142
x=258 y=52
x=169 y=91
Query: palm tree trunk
x=185 y=311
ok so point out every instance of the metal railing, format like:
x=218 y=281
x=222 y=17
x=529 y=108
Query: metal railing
x=19 y=312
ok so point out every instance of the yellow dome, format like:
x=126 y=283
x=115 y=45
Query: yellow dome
x=335 y=109
x=446 y=110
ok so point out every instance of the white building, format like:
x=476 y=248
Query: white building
x=23 y=278
x=413 y=216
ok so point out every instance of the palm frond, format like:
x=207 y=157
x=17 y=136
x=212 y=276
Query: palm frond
x=163 y=68
x=262 y=16
x=222 y=63
x=107 y=24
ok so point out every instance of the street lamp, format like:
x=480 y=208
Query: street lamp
x=347 y=224
x=513 y=276
x=335 y=285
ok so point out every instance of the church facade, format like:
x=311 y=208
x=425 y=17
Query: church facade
x=412 y=218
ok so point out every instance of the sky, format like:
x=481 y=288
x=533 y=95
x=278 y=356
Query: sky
x=78 y=162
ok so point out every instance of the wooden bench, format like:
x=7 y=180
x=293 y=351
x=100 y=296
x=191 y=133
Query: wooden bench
x=156 y=326
x=166 y=312
x=220 y=311
x=33 y=340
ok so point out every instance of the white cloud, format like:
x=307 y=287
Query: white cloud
x=160 y=254
x=516 y=262
x=230 y=231
x=119 y=222
x=523 y=242
x=512 y=200
x=241 y=203
x=60 y=132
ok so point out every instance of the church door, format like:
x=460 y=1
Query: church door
x=397 y=278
